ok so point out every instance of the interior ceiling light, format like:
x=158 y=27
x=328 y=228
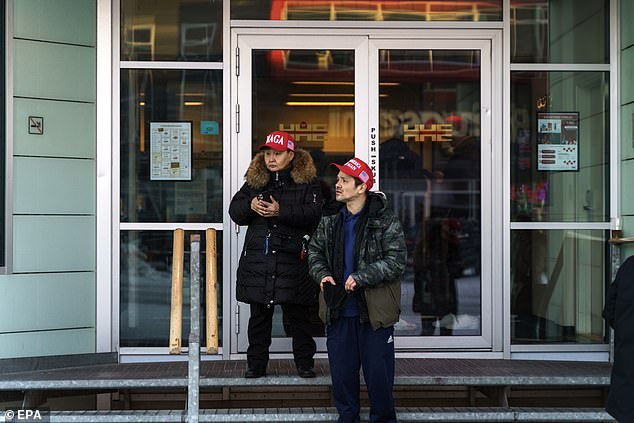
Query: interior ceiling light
x=383 y=84
x=322 y=83
x=193 y=103
x=319 y=103
x=321 y=95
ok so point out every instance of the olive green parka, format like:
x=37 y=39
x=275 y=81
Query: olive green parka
x=381 y=260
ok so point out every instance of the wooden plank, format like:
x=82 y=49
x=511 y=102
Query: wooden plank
x=176 y=315
x=212 y=293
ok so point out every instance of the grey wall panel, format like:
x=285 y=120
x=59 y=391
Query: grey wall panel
x=53 y=186
x=68 y=128
x=53 y=243
x=54 y=301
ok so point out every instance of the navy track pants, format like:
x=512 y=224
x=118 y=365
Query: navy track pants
x=353 y=345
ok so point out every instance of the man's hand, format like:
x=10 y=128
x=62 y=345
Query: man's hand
x=324 y=280
x=350 y=284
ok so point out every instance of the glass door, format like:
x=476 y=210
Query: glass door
x=430 y=143
x=419 y=111
x=312 y=87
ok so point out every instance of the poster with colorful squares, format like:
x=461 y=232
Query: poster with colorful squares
x=558 y=141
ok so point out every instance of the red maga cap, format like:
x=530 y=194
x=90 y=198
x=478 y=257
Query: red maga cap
x=280 y=141
x=359 y=169
x=454 y=119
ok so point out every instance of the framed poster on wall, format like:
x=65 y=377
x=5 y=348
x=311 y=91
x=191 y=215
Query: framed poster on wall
x=558 y=141
x=170 y=151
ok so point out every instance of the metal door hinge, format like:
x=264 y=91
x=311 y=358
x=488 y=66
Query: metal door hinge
x=237 y=319
x=237 y=61
x=237 y=118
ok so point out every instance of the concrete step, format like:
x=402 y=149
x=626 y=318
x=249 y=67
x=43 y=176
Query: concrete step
x=329 y=414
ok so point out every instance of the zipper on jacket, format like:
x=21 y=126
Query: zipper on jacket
x=266 y=243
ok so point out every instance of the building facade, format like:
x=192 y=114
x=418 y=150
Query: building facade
x=500 y=130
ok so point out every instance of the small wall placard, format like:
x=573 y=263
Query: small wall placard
x=36 y=125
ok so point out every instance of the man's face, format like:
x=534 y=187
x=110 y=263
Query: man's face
x=277 y=160
x=346 y=190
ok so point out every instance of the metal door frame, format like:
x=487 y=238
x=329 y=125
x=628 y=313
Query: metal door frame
x=491 y=238
x=241 y=137
x=366 y=43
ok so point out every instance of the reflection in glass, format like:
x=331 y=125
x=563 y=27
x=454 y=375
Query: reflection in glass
x=558 y=195
x=309 y=94
x=146 y=283
x=430 y=170
x=168 y=96
x=368 y=10
x=560 y=31
x=557 y=286
x=175 y=30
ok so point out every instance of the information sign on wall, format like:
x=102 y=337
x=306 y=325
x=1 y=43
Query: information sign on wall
x=558 y=141
x=170 y=151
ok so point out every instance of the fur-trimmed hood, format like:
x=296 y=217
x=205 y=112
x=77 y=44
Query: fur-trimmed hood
x=303 y=170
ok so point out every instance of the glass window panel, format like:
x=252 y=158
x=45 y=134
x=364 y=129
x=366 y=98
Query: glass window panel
x=429 y=168
x=168 y=96
x=557 y=286
x=310 y=94
x=366 y=10
x=176 y=30
x=146 y=288
x=560 y=31
x=560 y=195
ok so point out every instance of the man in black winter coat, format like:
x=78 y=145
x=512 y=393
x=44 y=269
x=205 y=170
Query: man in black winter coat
x=619 y=313
x=281 y=203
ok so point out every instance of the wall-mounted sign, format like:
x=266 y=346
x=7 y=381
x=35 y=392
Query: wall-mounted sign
x=307 y=135
x=209 y=127
x=374 y=154
x=170 y=151
x=558 y=141
x=36 y=125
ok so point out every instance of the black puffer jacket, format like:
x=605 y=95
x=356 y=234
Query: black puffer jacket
x=271 y=270
x=619 y=313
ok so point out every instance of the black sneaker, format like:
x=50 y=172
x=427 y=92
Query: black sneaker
x=255 y=373
x=306 y=373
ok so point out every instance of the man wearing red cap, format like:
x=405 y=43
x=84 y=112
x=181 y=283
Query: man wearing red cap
x=281 y=204
x=357 y=255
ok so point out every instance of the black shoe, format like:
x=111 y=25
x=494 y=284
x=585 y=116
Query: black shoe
x=306 y=373
x=255 y=373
